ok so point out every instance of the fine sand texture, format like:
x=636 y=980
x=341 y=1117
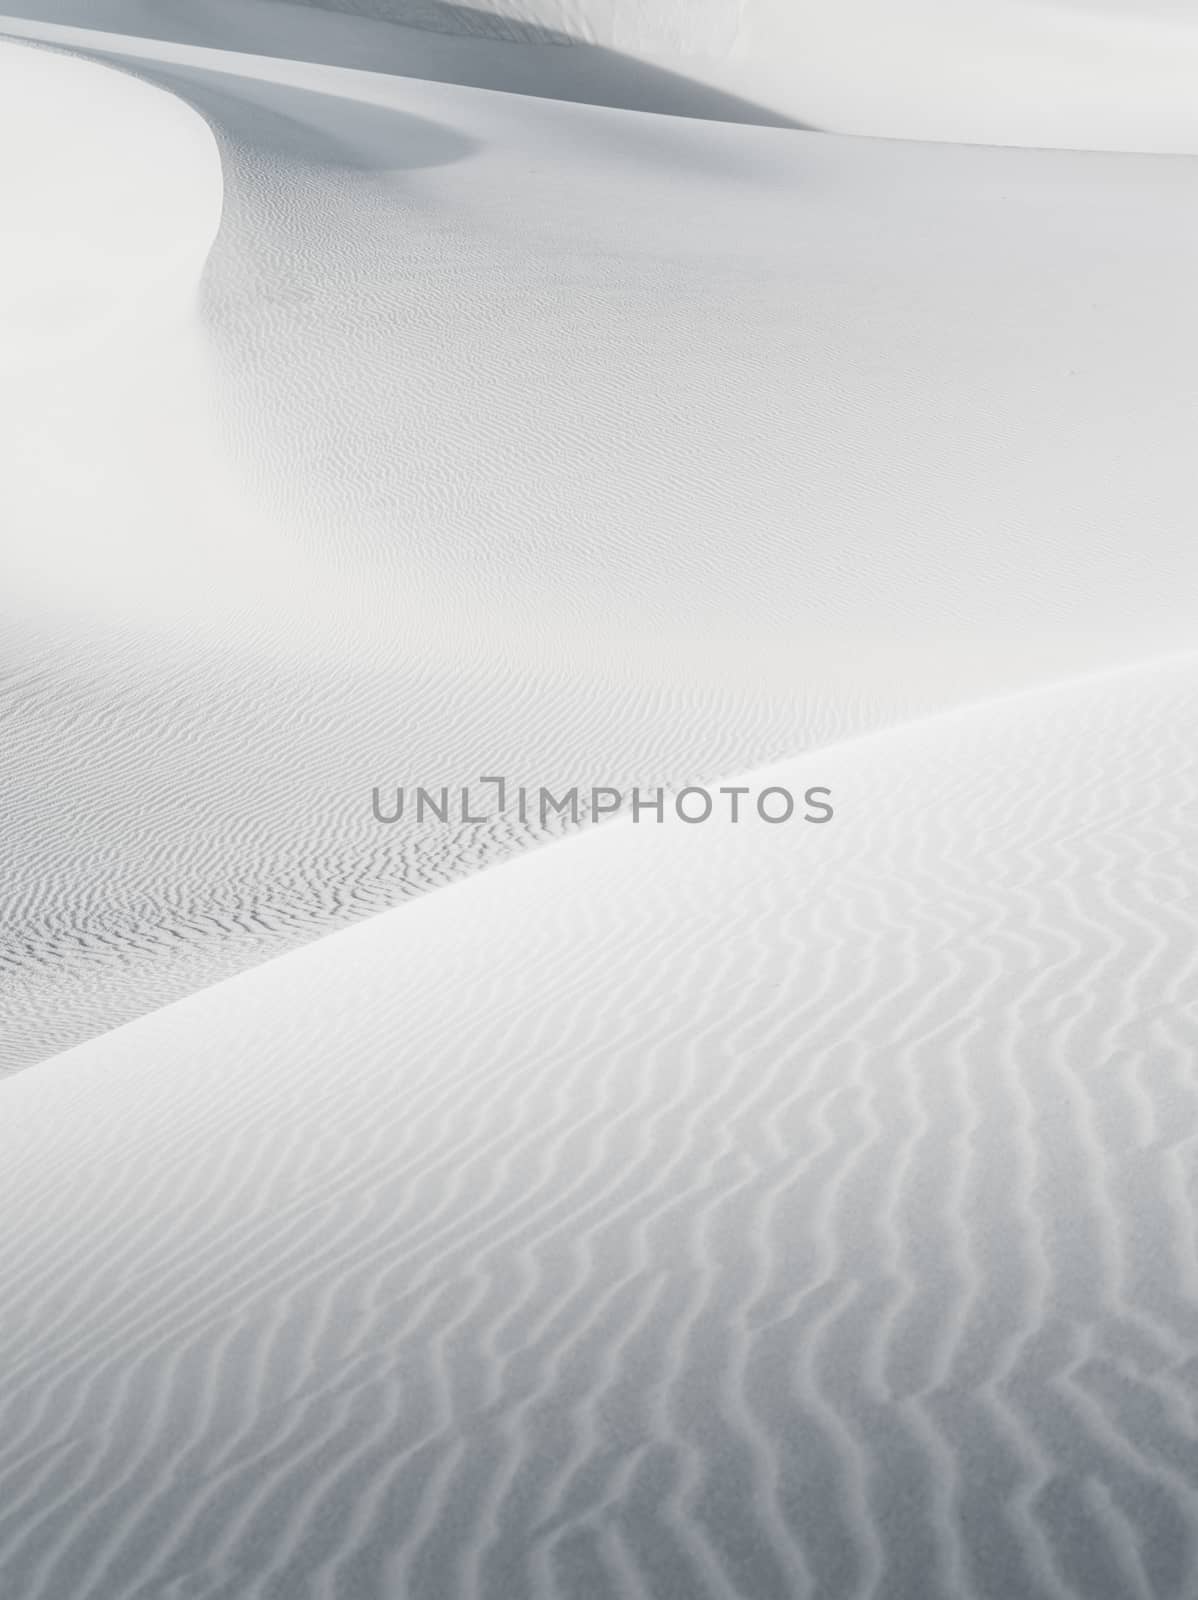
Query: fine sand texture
x=501 y=434
x=517 y=1208
x=669 y=1212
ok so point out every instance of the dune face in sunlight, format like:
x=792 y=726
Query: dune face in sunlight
x=740 y=1213
x=109 y=211
x=608 y=448
x=502 y=403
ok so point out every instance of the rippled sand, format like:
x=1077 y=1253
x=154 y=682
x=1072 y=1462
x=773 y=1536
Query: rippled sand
x=729 y=1211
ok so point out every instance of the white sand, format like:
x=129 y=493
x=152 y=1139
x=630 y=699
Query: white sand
x=1078 y=74
x=590 y=446
x=672 y=1211
x=681 y=1212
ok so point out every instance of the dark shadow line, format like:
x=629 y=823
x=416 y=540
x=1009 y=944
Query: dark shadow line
x=441 y=41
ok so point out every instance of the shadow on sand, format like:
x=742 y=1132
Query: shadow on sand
x=437 y=40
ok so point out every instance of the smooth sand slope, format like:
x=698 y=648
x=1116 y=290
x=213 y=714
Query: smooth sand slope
x=710 y=1212
x=109 y=218
x=576 y=444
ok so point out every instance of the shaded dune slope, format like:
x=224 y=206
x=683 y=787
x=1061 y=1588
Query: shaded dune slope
x=724 y=1211
x=564 y=441
x=574 y=57
x=1076 y=74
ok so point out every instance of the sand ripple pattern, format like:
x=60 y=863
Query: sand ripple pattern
x=197 y=829
x=710 y=1212
x=553 y=439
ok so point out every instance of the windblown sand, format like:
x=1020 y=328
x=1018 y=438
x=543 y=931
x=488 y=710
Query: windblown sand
x=672 y=1212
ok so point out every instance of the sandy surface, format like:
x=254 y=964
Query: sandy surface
x=676 y=1210
x=588 y=446
x=756 y=1210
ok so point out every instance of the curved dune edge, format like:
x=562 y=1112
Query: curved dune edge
x=110 y=213
x=1027 y=518
x=617 y=843
x=741 y=1213
x=782 y=1215
x=1109 y=76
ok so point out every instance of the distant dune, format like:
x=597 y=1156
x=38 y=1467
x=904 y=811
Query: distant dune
x=1077 y=74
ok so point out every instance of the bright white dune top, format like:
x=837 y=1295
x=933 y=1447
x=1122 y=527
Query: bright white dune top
x=1095 y=74
x=112 y=198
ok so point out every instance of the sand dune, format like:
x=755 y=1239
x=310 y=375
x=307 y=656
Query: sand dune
x=112 y=222
x=597 y=447
x=1076 y=74
x=728 y=1211
x=718 y=1211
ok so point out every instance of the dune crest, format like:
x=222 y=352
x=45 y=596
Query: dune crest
x=110 y=213
x=721 y=1208
x=606 y=448
x=1098 y=75
x=781 y=1216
